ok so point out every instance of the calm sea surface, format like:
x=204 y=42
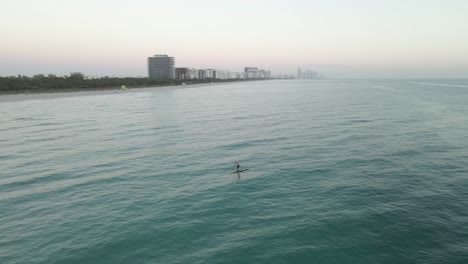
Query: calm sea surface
x=339 y=172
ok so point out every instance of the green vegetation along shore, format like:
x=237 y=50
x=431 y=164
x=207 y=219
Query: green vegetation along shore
x=79 y=82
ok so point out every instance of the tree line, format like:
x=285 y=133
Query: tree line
x=75 y=81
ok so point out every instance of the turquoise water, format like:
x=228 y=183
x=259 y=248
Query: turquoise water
x=339 y=172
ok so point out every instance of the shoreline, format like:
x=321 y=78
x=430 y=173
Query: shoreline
x=53 y=94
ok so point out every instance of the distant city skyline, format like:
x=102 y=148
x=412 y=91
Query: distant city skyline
x=340 y=39
x=162 y=66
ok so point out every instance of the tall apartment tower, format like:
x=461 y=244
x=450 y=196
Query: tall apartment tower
x=161 y=66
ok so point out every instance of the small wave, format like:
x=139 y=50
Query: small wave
x=441 y=84
x=360 y=121
x=59 y=185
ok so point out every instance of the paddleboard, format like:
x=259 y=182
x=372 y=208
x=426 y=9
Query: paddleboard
x=238 y=171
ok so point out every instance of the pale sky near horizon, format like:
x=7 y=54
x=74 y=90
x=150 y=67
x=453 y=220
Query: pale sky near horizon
x=360 y=38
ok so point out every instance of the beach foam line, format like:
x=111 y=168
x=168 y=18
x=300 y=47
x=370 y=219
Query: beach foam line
x=6 y=98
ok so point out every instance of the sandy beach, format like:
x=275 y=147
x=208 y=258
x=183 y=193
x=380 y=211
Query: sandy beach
x=60 y=94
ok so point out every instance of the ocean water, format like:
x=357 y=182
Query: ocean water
x=349 y=171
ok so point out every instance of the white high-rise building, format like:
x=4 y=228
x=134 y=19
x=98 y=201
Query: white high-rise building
x=222 y=75
x=202 y=74
x=210 y=74
x=251 y=72
x=161 y=66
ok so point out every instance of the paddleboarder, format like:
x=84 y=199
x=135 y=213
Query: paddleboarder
x=237 y=166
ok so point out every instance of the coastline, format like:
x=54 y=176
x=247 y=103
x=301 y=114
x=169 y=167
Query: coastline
x=53 y=94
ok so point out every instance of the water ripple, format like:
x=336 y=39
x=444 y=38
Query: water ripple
x=360 y=171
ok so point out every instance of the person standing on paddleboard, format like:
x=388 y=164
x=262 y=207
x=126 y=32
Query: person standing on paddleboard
x=237 y=166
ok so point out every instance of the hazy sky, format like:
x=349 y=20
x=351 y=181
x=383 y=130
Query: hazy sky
x=340 y=38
